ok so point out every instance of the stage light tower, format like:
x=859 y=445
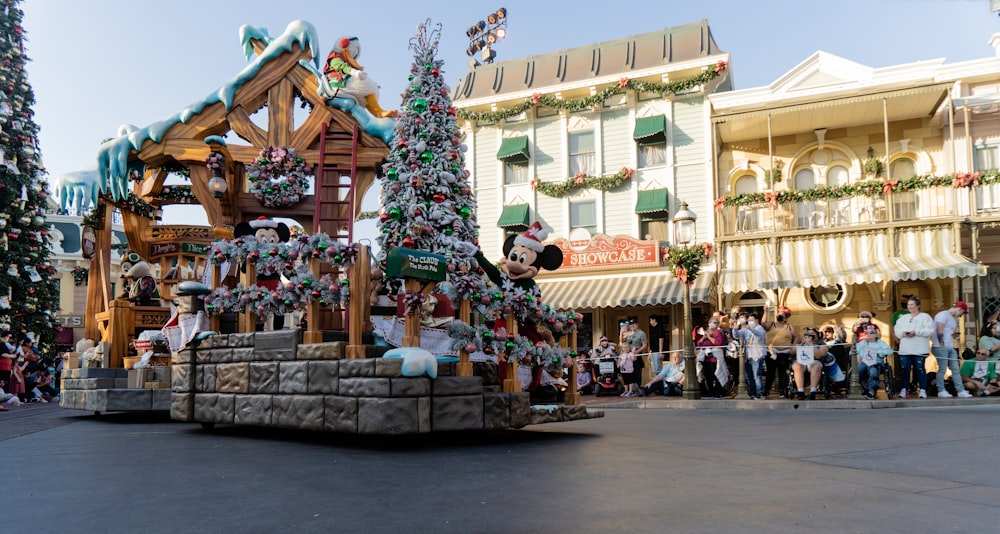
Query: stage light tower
x=484 y=34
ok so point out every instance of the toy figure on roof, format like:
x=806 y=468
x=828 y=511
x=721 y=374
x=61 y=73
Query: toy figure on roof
x=348 y=77
x=523 y=256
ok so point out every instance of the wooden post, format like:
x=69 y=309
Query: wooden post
x=359 y=308
x=248 y=318
x=215 y=319
x=464 y=367
x=313 y=334
x=572 y=395
x=121 y=325
x=512 y=384
x=411 y=334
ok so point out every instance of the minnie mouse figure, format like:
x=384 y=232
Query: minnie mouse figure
x=267 y=231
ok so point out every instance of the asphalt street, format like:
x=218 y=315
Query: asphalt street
x=891 y=470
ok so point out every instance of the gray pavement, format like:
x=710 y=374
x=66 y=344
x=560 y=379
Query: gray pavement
x=930 y=468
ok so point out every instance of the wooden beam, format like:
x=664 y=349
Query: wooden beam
x=280 y=106
x=307 y=134
x=199 y=186
x=152 y=184
x=99 y=281
x=241 y=124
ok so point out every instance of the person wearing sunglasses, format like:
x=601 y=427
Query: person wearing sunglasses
x=807 y=358
x=872 y=351
x=979 y=376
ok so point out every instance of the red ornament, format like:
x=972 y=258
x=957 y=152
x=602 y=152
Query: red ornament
x=409 y=243
x=436 y=72
x=438 y=197
x=434 y=108
x=383 y=217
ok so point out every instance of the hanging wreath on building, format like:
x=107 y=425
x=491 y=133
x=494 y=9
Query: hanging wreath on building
x=278 y=178
x=685 y=261
x=80 y=275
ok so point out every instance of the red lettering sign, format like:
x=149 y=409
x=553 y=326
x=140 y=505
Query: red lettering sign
x=159 y=249
x=607 y=252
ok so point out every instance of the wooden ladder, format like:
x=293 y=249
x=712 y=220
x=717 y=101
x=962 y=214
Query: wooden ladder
x=336 y=199
x=335 y=192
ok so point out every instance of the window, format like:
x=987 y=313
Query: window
x=827 y=297
x=515 y=171
x=543 y=111
x=806 y=217
x=987 y=196
x=747 y=217
x=987 y=157
x=583 y=214
x=582 y=156
x=652 y=151
x=902 y=169
x=904 y=203
x=655 y=229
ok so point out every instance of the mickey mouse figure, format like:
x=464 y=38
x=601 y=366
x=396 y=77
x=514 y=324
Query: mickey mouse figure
x=523 y=256
x=267 y=231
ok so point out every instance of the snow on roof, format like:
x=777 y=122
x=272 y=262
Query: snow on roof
x=112 y=156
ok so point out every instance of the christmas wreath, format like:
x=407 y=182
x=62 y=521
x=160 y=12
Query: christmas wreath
x=278 y=178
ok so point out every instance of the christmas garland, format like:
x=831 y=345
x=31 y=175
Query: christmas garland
x=577 y=104
x=685 y=261
x=181 y=194
x=131 y=202
x=481 y=338
x=80 y=275
x=583 y=181
x=280 y=258
x=301 y=288
x=366 y=215
x=867 y=188
x=278 y=178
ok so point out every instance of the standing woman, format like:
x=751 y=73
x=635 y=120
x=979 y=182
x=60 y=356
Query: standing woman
x=781 y=336
x=914 y=331
x=711 y=341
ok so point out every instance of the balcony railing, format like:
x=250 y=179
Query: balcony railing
x=860 y=210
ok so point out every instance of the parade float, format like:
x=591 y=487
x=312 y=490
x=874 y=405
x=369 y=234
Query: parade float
x=450 y=358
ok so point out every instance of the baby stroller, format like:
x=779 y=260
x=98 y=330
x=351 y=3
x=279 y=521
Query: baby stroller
x=608 y=379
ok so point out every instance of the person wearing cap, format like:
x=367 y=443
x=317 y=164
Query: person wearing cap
x=943 y=348
x=914 y=331
x=605 y=348
x=872 y=351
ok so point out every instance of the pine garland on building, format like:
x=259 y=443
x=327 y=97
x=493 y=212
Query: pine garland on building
x=29 y=291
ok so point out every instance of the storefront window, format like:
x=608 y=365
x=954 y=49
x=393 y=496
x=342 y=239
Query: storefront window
x=582 y=156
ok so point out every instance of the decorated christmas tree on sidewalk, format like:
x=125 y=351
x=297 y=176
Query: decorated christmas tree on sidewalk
x=29 y=293
x=427 y=202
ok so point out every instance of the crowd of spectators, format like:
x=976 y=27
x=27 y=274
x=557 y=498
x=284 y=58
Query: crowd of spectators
x=25 y=376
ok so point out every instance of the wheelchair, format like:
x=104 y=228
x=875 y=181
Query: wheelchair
x=824 y=389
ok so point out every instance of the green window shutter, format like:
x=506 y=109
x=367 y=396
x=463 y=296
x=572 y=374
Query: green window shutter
x=514 y=217
x=649 y=126
x=652 y=201
x=514 y=149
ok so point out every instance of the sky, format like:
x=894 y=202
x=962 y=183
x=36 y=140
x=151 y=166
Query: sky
x=98 y=64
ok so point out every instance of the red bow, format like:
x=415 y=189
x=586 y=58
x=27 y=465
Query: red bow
x=771 y=198
x=535 y=98
x=720 y=66
x=627 y=172
x=889 y=185
x=720 y=203
x=622 y=82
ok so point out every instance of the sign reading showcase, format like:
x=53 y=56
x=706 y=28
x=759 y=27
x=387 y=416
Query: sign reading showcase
x=607 y=252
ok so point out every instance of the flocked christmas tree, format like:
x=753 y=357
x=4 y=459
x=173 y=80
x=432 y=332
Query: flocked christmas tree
x=426 y=200
x=29 y=293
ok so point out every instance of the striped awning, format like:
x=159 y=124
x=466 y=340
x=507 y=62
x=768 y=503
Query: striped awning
x=620 y=290
x=929 y=252
x=846 y=259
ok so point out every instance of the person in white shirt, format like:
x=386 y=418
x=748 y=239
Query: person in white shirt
x=807 y=359
x=752 y=336
x=943 y=347
x=914 y=331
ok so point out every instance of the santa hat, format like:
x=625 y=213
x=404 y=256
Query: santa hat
x=533 y=237
x=263 y=222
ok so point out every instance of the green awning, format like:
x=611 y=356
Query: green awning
x=649 y=126
x=652 y=201
x=514 y=217
x=515 y=148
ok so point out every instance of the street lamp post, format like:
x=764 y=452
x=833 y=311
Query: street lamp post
x=684 y=233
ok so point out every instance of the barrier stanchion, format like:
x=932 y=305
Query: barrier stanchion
x=572 y=395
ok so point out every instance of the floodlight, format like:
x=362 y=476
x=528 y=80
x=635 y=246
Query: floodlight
x=501 y=33
x=502 y=13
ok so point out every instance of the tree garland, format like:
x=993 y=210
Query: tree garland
x=131 y=202
x=271 y=258
x=583 y=181
x=295 y=295
x=685 y=261
x=867 y=188
x=278 y=178
x=482 y=338
x=578 y=104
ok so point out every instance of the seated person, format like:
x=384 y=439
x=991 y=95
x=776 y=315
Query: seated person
x=872 y=351
x=605 y=348
x=979 y=376
x=584 y=378
x=670 y=380
x=807 y=358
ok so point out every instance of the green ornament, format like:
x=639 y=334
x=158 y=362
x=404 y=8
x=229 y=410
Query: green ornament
x=448 y=231
x=410 y=77
x=338 y=258
x=487 y=336
x=465 y=212
x=509 y=345
x=422 y=135
x=307 y=283
x=497 y=296
x=420 y=105
x=427 y=156
x=345 y=282
x=429 y=66
x=395 y=213
x=392 y=174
